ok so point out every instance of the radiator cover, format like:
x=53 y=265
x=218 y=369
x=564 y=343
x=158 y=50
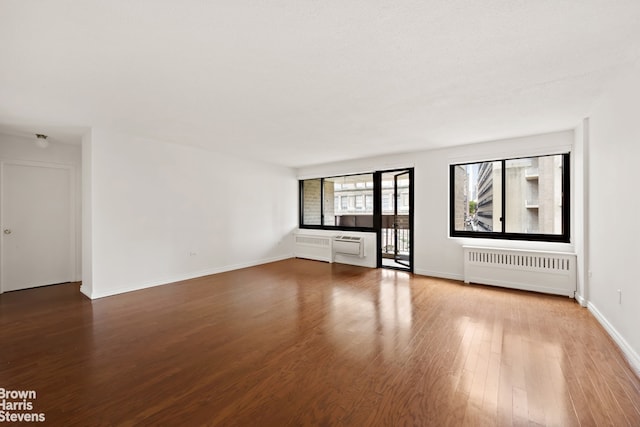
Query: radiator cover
x=313 y=247
x=539 y=271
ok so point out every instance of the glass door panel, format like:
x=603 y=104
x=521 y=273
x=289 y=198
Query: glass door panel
x=395 y=233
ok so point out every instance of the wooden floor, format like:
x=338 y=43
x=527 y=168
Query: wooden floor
x=307 y=343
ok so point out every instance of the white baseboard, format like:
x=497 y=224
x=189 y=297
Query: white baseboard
x=632 y=357
x=581 y=300
x=85 y=291
x=438 y=274
x=181 y=277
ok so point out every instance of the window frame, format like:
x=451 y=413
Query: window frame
x=322 y=225
x=564 y=237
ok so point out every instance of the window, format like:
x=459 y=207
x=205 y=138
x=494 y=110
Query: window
x=368 y=202
x=521 y=199
x=405 y=200
x=343 y=201
x=311 y=190
x=386 y=203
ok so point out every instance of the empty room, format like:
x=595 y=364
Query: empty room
x=319 y=213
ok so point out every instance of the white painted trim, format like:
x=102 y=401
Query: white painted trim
x=178 y=278
x=522 y=286
x=83 y=290
x=73 y=232
x=438 y=274
x=359 y=171
x=586 y=240
x=500 y=155
x=524 y=150
x=632 y=357
x=365 y=171
x=2 y=163
x=581 y=300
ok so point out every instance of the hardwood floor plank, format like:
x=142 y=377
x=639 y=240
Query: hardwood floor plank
x=300 y=342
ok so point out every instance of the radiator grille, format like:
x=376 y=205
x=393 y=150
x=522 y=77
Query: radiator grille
x=541 y=262
x=549 y=272
x=313 y=241
x=313 y=247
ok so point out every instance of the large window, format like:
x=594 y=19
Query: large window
x=342 y=201
x=523 y=199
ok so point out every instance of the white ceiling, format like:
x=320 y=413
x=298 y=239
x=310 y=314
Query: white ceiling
x=300 y=82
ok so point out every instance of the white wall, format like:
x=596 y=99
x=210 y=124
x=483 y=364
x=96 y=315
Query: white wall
x=614 y=206
x=580 y=208
x=436 y=254
x=163 y=212
x=22 y=148
x=87 y=214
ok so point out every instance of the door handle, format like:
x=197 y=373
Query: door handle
x=7 y=231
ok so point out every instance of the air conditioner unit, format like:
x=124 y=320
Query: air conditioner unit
x=348 y=245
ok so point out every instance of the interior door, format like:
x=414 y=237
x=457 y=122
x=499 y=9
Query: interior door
x=401 y=229
x=36 y=225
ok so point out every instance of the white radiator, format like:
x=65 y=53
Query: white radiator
x=348 y=245
x=313 y=247
x=539 y=271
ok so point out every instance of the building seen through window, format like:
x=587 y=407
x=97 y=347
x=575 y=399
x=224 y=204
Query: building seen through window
x=348 y=201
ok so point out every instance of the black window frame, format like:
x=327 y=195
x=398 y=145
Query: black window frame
x=564 y=237
x=322 y=226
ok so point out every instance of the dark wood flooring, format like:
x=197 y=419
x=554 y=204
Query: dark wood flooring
x=300 y=342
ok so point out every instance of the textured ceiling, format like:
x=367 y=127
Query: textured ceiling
x=306 y=81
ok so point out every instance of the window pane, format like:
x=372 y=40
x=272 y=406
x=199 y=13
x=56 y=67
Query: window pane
x=387 y=208
x=534 y=195
x=368 y=202
x=355 y=194
x=311 y=202
x=478 y=197
x=329 y=203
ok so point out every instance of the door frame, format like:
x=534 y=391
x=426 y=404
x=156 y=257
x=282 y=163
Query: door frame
x=73 y=231
x=396 y=258
x=377 y=215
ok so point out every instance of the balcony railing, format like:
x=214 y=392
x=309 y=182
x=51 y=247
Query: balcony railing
x=388 y=242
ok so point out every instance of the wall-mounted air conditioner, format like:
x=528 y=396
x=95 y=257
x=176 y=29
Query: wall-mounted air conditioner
x=348 y=245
